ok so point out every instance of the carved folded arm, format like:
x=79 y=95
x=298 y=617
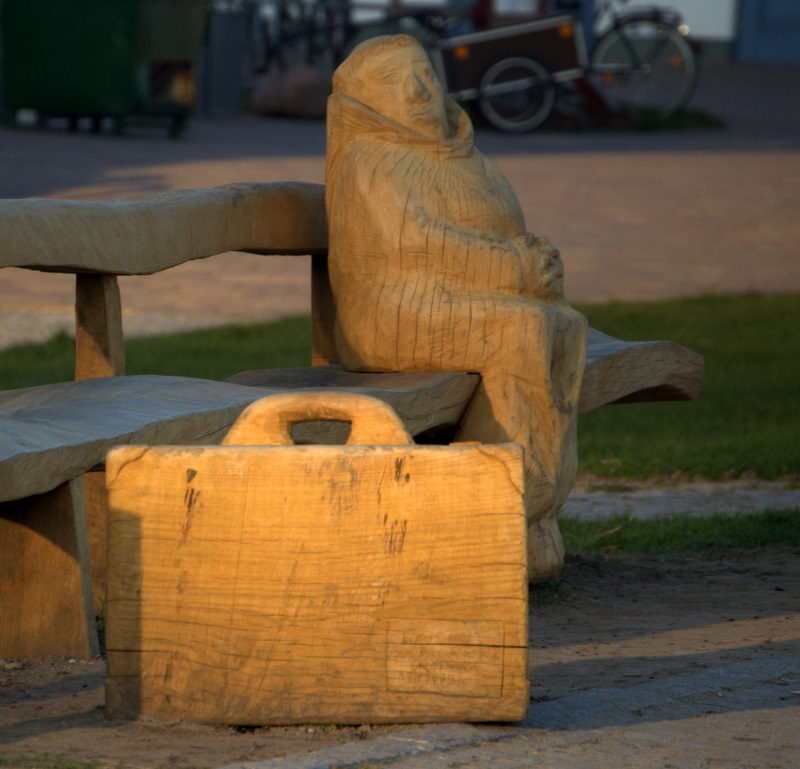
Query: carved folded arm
x=461 y=258
x=389 y=239
x=515 y=264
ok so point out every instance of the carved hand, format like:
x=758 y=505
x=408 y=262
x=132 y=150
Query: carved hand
x=544 y=271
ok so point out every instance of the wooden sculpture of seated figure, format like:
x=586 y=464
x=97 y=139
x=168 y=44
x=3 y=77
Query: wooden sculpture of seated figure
x=432 y=269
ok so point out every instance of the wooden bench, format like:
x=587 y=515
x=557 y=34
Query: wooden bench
x=54 y=438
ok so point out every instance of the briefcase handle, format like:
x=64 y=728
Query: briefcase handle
x=268 y=422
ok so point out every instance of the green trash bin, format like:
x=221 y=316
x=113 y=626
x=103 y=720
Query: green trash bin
x=101 y=58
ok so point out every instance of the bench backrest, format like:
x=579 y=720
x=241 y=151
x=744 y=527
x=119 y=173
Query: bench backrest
x=97 y=241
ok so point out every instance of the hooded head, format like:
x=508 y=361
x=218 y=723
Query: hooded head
x=393 y=77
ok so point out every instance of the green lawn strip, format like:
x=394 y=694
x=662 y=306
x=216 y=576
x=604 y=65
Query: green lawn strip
x=222 y=352
x=209 y=354
x=27 y=365
x=39 y=762
x=746 y=420
x=685 y=533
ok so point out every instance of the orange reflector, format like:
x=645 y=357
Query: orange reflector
x=676 y=61
x=607 y=77
x=566 y=30
x=461 y=52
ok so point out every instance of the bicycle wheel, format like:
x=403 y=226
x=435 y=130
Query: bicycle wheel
x=516 y=94
x=645 y=64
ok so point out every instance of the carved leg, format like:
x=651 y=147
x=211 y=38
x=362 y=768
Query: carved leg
x=531 y=359
x=99 y=352
x=492 y=417
x=45 y=589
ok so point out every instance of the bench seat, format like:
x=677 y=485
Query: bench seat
x=54 y=433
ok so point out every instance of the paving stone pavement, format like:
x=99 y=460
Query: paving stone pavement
x=636 y=216
x=736 y=716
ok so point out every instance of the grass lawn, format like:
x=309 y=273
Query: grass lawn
x=680 y=534
x=745 y=422
x=747 y=417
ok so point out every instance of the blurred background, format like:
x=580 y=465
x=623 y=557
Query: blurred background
x=703 y=202
x=102 y=61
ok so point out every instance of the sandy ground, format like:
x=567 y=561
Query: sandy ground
x=609 y=623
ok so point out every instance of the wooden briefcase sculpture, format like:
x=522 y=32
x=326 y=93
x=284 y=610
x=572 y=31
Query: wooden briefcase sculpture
x=261 y=582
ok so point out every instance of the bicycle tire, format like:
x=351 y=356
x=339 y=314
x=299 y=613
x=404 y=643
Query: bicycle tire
x=516 y=94
x=645 y=64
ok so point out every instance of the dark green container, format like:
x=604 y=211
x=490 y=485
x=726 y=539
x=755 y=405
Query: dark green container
x=101 y=58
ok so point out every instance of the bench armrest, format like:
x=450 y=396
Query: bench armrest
x=637 y=372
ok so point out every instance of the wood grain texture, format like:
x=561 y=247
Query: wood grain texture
x=53 y=433
x=616 y=371
x=45 y=590
x=96 y=496
x=269 y=422
x=145 y=235
x=432 y=269
x=297 y=584
x=99 y=352
x=323 y=313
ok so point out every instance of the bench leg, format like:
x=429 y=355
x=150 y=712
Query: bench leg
x=94 y=488
x=45 y=588
x=323 y=313
x=99 y=346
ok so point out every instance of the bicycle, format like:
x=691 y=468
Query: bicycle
x=641 y=62
x=644 y=61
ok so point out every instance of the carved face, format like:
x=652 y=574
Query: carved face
x=407 y=91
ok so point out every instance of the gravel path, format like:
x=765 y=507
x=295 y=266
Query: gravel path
x=646 y=500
